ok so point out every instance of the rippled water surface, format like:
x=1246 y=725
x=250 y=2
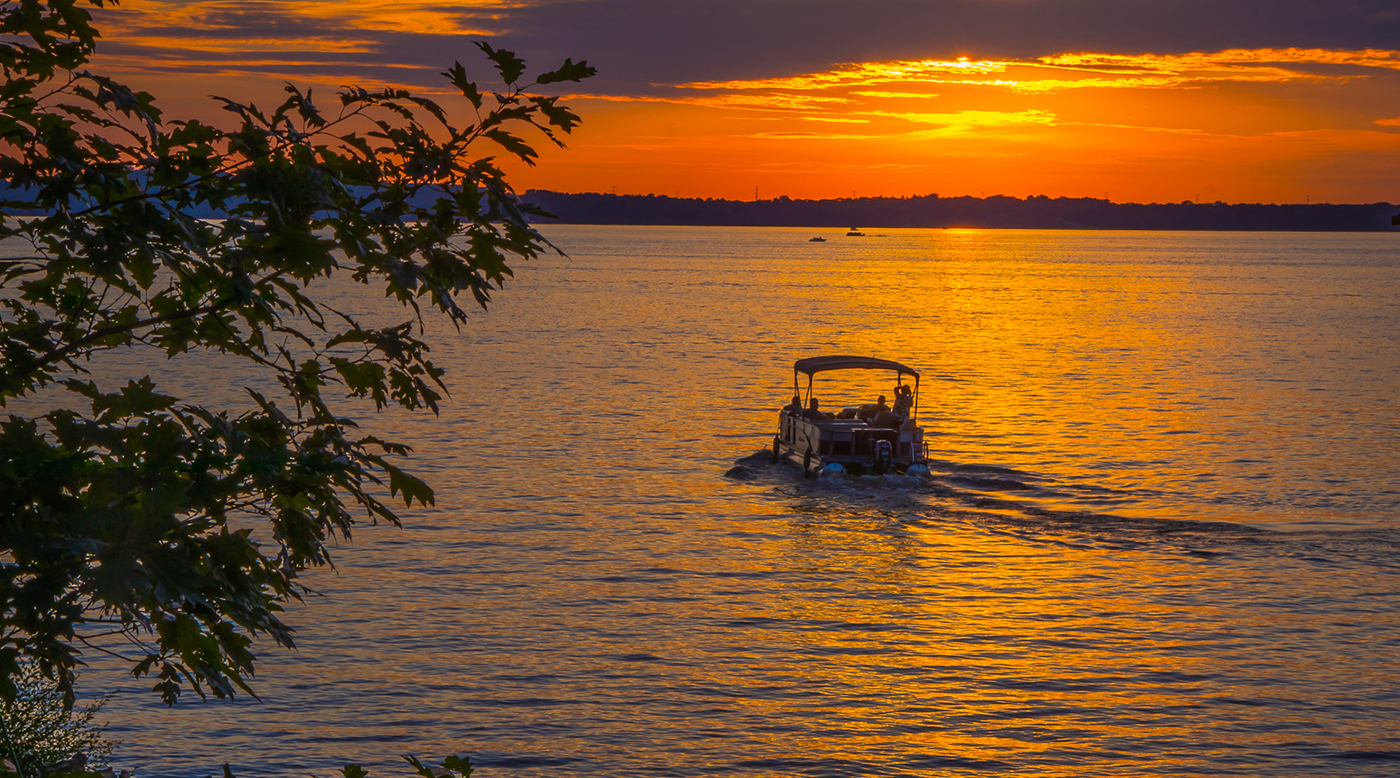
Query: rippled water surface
x=1161 y=538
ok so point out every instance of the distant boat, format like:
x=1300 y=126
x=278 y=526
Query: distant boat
x=855 y=233
x=817 y=240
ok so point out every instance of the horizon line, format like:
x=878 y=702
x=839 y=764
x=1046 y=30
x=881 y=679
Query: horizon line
x=936 y=196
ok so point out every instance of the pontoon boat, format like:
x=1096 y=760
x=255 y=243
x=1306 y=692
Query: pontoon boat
x=855 y=441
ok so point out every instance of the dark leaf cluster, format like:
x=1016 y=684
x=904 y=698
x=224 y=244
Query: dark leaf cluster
x=159 y=529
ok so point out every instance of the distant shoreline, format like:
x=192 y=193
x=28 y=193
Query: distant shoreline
x=996 y=212
x=932 y=211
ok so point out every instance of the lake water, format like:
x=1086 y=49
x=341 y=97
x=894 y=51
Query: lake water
x=1161 y=537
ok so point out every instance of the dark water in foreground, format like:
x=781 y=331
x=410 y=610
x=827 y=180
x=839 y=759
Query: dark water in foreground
x=1161 y=540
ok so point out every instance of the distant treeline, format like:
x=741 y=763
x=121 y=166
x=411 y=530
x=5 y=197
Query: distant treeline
x=1038 y=212
x=996 y=212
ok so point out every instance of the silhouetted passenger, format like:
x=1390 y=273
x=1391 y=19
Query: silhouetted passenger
x=903 y=401
x=795 y=407
x=814 y=413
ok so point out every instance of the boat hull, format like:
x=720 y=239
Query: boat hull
x=858 y=448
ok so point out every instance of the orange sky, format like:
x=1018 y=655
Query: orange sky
x=1277 y=123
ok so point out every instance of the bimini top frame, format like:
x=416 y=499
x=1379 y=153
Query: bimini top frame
x=813 y=365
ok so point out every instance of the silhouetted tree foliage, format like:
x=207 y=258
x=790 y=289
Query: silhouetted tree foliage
x=165 y=531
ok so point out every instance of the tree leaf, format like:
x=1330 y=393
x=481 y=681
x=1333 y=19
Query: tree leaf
x=411 y=487
x=458 y=764
x=514 y=145
x=569 y=71
x=510 y=66
x=458 y=76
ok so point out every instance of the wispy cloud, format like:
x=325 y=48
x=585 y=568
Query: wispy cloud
x=1267 y=60
x=209 y=20
x=1082 y=71
x=896 y=95
x=758 y=102
x=861 y=74
x=973 y=119
x=811 y=136
x=949 y=125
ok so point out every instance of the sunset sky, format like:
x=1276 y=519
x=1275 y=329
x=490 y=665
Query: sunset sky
x=1234 y=100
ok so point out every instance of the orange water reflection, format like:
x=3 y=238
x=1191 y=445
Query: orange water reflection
x=1063 y=599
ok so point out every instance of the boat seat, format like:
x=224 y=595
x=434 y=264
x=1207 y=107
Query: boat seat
x=885 y=420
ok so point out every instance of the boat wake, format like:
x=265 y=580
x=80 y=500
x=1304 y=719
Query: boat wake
x=1030 y=506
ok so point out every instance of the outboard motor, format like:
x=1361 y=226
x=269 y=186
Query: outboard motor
x=884 y=457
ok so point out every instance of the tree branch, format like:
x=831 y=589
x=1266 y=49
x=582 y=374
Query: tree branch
x=58 y=354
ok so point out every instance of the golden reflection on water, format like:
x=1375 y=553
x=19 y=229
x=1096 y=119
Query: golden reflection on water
x=1069 y=646
x=590 y=587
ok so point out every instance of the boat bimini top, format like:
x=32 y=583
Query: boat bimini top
x=813 y=365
